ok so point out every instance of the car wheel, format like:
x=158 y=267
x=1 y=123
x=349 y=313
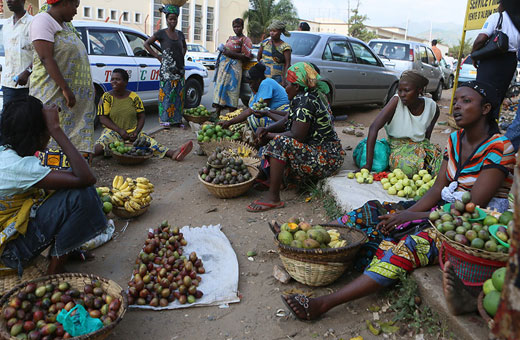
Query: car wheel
x=450 y=82
x=193 y=93
x=438 y=92
x=391 y=93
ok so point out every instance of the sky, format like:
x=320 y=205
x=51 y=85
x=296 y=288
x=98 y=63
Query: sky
x=388 y=12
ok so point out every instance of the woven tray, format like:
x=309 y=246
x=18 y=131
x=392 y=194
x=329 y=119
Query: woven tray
x=231 y=190
x=355 y=239
x=313 y=273
x=9 y=278
x=483 y=254
x=196 y=119
x=482 y=311
x=76 y=280
x=123 y=213
x=209 y=147
x=130 y=160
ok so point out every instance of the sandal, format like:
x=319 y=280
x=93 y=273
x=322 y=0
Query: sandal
x=185 y=150
x=302 y=301
x=264 y=206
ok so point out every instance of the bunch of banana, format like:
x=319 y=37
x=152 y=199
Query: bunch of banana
x=237 y=127
x=243 y=151
x=103 y=190
x=335 y=240
x=131 y=194
x=230 y=115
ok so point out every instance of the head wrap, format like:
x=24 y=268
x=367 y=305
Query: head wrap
x=487 y=91
x=279 y=25
x=170 y=9
x=52 y=2
x=306 y=76
x=415 y=78
x=256 y=72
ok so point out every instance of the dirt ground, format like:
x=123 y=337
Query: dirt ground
x=182 y=200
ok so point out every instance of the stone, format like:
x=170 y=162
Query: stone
x=280 y=274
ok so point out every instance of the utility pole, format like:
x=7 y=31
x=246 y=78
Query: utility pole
x=348 y=18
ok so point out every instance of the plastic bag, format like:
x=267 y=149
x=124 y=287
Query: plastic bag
x=381 y=153
x=101 y=239
x=77 y=321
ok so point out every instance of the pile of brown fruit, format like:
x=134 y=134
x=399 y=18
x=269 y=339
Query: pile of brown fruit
x=31 y=314
x=223 y=170
x=162 y=274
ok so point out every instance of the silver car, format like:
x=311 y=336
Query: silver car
x=403 y=55
x=353 y=72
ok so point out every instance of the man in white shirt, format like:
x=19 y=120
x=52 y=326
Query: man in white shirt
x=449 y=59
x=18 y=53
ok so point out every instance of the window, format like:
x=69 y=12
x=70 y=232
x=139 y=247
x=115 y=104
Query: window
x=424 y=55
x=186 y=19
x=137 y=42
x=137 y=17
x=100 y=14
x=302 y=44
x=126 y=16
x=391 y=50
x=209 y=24
x=431 y=57
x=338 y=51
x=106 y=43
x=157 y=16
x=363 y=54
x=113 y=15
x=87 y=12
x=198 y=23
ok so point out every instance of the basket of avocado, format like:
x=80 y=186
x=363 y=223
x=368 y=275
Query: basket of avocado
x=197 y=114
x=129 y=154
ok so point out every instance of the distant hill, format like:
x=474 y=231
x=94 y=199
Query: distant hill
x=449 y=33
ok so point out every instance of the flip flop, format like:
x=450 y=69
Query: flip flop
x=185 y=150
x=303 y=301
x=266 y=206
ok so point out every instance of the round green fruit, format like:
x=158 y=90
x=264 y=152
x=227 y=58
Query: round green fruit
x=498 y=278
x=491 y=302
x=107 y=207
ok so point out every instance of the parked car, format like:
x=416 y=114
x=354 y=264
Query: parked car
x=405 y=55
x=201 y=55
x=447 y=74
x=467 y=72
x=110 y=46
x=354 y=74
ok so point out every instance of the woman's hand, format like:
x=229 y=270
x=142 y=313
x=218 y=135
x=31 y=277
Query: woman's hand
x=124 y=135
x=259 y=114
x=23 y=78
x=224 y=123
x=69 y=97
x=51 y=118
x=390 y=221
x=261 y=136
x=132 y=136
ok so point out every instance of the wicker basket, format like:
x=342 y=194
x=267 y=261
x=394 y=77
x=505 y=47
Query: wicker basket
x=123 y=213
x=482 y=311
x=196 y=119
x=178 y=3
x=9 y=277
x=78 y=281
x=319 y=267
x=231 y=190
x=130 y=160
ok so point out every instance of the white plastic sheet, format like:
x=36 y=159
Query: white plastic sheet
x=220 y=281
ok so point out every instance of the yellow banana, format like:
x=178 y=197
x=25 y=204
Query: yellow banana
x=142 y=180
x=134 y=205
x=117 y=182
x=123 y=186
x=143 y=186
x=104 y=190
x=141 y=191
x=128 y=207
x=148 y=199
x=116 y=201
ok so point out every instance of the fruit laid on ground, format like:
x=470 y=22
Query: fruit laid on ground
x=304 y=235
x=197 y=111
x=140 y=147
x=397 y=183
x=32 y=312
x=215 y=133
x=163 y=273
x=130 y=194
x=223 y=170
x=362 y=176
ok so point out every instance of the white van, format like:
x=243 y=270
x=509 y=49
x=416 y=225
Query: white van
x=112 y=46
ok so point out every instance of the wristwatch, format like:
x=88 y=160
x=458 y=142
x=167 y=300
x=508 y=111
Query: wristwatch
x=29 y=69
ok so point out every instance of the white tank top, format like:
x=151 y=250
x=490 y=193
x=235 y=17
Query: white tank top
x=405 y=125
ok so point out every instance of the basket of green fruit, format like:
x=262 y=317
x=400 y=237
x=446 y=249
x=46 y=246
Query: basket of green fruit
x=131 y=153
x=30 y=310
x=197 y=114
x=316 y=255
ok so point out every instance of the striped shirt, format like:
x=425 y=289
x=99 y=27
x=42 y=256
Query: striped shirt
x=495 y=152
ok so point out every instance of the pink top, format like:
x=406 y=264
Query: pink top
x=44 y=27
x=240 y=45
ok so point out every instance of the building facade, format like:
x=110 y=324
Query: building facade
x=205 y=22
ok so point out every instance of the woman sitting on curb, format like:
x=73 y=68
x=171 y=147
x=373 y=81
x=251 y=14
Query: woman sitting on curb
x=122 y=112
x=408 y=119
x=304 y=143
x=30 y=218
x=477 y=159
x=270 y=92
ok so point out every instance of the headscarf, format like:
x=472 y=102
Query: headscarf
x=256 y=72
x=170 y=9
x=306 y=76
x=52 y=2
x=279 y=25
x=415 y=78
x=486 y=90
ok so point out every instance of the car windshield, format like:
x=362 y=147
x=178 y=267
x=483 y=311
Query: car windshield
x=301 y=43
x=391 y=50
x=196 y=48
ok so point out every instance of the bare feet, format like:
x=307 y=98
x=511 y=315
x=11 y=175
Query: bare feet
x=303 y=308
x=57 y=265
x=459 y=300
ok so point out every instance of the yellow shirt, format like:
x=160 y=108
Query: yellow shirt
x=123 y=112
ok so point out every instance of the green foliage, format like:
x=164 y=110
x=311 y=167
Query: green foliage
x=262 y=12
x=468 y=45
x=357 y=28
x=316 y=192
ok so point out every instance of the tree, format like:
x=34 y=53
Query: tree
x=468 y=45
x=357 y=28
x=262 y=12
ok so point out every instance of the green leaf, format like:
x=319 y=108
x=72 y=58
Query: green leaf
x=372 y=328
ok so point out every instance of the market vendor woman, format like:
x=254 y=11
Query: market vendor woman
x=30 y=218
x=122 y=113
x=477 y=159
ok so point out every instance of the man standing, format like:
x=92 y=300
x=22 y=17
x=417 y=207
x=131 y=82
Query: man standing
x=436 y=50
x=18 y=53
